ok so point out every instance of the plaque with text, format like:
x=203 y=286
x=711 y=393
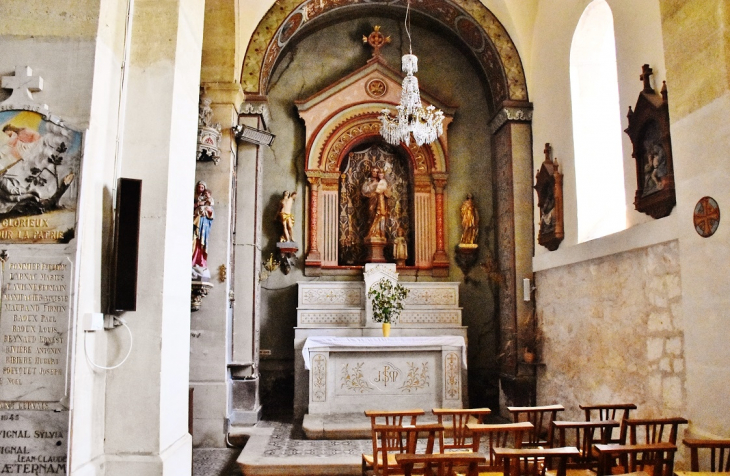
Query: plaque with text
x=33 y=442
x=34 y=329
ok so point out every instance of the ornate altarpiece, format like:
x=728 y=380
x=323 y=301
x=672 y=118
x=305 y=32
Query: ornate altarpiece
x=343 y=144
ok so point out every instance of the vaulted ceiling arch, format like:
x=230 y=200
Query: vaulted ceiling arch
x=475 y=26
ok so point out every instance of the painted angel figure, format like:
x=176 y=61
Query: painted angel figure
x=203 y=215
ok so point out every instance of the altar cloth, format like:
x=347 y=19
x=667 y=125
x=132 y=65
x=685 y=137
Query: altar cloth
x=375 y=342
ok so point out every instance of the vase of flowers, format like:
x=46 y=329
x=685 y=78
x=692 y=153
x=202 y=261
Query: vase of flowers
x=387 y=300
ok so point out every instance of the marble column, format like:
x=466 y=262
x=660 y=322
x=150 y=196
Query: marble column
x=440 y=258
x=314 y=258
x=512 y=145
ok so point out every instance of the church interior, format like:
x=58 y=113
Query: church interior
x=553 y=220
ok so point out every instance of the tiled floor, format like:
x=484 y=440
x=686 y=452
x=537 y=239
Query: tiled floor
x=216 y=462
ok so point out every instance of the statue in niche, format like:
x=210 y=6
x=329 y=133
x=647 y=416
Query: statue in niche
x=377 y=191
x=400 y=248
x=655 y=161
x=202 y=220
x=469 y=221
x=374 y=200
x=286 y=217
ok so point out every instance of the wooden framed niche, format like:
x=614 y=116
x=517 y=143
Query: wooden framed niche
x=652 y=150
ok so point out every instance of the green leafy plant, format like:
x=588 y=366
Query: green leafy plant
x=387 y=300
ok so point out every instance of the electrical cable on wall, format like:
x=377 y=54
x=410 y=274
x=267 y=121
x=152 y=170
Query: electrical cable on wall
x=131 y=342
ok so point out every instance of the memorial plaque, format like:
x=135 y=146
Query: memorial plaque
x=33 y=442
x=34 y=328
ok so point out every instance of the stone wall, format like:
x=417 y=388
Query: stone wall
x=614 y=332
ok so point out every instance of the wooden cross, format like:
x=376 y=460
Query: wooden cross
x=22 y=84
x=547 y=151
x=646 y=73
x=377 y=40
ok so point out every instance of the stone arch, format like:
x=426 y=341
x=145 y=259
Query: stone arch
x=469 y=20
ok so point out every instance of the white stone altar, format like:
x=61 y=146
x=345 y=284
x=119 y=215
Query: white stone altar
x=353 y=374
x=338 y=309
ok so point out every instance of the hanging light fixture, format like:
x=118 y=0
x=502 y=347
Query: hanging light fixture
x=426 y=124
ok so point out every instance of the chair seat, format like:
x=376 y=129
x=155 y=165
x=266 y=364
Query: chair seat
x=369 y=459
x=571 y=472
x=482 y=473
x=700 y=473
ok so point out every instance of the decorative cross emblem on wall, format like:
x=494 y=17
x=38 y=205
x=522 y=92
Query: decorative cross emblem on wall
x=706 y=217
x=22 y=84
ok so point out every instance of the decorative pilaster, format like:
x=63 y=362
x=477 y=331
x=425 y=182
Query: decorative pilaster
x=440 y=258
x=313 y=256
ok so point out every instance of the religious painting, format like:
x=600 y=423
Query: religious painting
x=374 y=204
x=652 y=150
x=39 y=164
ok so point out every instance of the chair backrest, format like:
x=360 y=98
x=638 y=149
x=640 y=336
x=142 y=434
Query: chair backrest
x=656 y=459
x=541 y=418
x=394 y=417
x=443 y=462
x=395 y=439
x=582 y=435
x=454 y=421
x=609 y=411
x=651 y=430
x=528 y=461
x=719 y=454
x=508 y=435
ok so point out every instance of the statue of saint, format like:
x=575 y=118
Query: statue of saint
x=376 y=189
x=400 y=248
x=286 y=217
x=469 y=221
x=202 y=220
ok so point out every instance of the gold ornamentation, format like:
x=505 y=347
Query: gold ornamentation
x=452 y=371
x=376 y=88
x=319 y=378
x=417 y=378
x=353 y=379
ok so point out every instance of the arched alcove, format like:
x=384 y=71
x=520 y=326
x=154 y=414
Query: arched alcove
x=495 y=128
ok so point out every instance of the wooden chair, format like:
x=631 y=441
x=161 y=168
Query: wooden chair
x=609 y=411
x=443 y=462
x=487 y=437
x=651 y=430
x=582 y=435
x=386 y=417
x=655 y=459
x=528 y=461
x=719 y=456
x=454 y=421
x=541 y=418
x=389 y=440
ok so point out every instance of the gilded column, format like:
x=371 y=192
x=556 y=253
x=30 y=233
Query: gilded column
x=313 y=256
x=440 y=258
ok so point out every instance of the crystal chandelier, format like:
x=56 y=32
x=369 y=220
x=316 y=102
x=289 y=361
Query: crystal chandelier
x=412 y=118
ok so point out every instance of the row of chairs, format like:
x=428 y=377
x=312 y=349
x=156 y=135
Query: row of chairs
x=609 y=441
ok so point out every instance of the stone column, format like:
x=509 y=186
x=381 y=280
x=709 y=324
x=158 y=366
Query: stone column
x=245 y=406
x=209 y=327
x=146 y=405
x=512 y=150
x=440 y=258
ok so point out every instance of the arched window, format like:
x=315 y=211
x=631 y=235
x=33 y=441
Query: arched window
x=597 y=125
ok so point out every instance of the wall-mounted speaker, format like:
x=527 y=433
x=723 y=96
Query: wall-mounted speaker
x=123 y=295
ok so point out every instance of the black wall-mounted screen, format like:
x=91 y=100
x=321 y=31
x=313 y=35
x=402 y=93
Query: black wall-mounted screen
x=126 y=246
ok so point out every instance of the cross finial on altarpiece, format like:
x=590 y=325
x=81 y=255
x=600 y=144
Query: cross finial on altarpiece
x=23 y=84
x=376 y=40
x=646 y=73
x=547 y=151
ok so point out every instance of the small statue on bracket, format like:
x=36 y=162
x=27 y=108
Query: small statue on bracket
x=286 y=246
x=467 y=249
x=549 y=188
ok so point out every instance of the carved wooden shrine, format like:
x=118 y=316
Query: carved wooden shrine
x=549 y=188
x=650 y=136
